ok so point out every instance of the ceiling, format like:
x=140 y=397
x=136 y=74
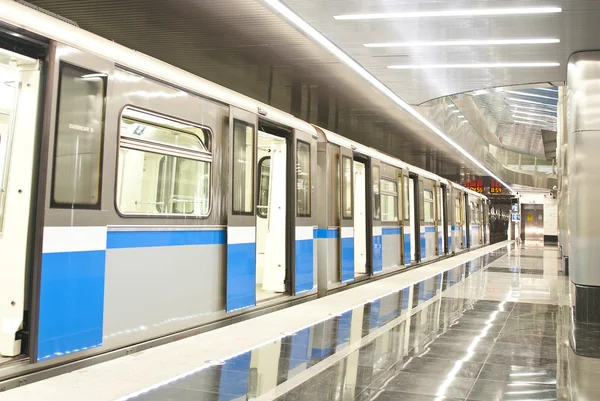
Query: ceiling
x=243 y=45
x=576 y=27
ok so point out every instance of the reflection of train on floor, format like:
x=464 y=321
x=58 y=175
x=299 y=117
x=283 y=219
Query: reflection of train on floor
x=139 y=201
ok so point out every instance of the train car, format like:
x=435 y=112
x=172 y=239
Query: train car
x=377 y=214
x=140 y=202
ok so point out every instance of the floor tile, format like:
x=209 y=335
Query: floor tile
x=512 y=373
x=487 y=390
x=425 y=384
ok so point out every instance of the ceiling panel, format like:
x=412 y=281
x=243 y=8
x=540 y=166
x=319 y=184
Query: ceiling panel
x=576 y=27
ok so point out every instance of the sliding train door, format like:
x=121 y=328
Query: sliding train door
x=305 y=151
x=19 y=93
x=241 y=219
x=346 y=234
x=78 y=195
x=377 y=231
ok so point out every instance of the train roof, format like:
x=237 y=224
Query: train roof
x=48 y=26
x=52 y=28
x=340 y=140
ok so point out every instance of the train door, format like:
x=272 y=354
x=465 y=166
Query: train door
x=19 y=94
x=360 y=218
x=73 y=262
x=347 y=216
x=445 y=230
x=376 y=232
x=400 y=186
x=466 y=221
x=414 y=226
x=305 y=157
x=271 y=216
x=241 y=219
x=439 y=224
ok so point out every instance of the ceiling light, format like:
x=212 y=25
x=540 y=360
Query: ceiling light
x=475 y=65
x=533 y=108
x=477 y=12
x=305 y=27
x=514 y=99
x=531 y=95
x=466 y=43
x=534 y=114
x=533 y=119
x=525 y=122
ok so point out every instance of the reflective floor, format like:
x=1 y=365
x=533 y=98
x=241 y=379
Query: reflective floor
x=495 y=328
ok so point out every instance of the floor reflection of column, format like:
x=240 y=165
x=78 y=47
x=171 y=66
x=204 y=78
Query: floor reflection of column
x=352 y=359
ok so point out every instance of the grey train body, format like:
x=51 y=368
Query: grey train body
x=164 y=202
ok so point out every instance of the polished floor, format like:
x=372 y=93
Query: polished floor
x=489 y=329
x=494 y=324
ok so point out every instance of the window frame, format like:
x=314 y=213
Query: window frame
x=376 y=196
x=253 y=194
x=259 y=170
x=309 y=189
x=395 y=195
x=59 y=205
x=152 y=147
x=432 y=203
x=351 y=185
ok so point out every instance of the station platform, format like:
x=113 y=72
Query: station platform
x=490 y=324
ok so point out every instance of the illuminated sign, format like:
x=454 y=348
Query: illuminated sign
x=475 y=185
x=495 y=187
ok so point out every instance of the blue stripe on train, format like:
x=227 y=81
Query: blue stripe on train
x=407 y=250
x=304 y=265
x=326 y=233
x=142 y=239
x=347 y=259
x=71 y=302
x=391 y=230
x=241 y=276
x=377 y=254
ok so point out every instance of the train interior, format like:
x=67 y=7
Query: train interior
x=166 y=183
x=271 y=246
x=19 y=93
x=360 y=219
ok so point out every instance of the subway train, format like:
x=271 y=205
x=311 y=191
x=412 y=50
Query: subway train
x=139 y=201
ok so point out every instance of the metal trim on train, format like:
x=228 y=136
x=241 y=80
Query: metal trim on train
x=135 y=216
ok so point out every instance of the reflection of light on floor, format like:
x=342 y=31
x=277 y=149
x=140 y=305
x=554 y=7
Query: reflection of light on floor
x=470 y=351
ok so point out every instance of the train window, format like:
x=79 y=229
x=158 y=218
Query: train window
x=389 y=201
x=243 y=163
x=264 y=169
x=335 y=181
x=164 y=166
x=428 y=207
x=347 y=188
x=79 y=137
x=303 y=184
x=457 y=210
x=376 y=195
x=405 y=197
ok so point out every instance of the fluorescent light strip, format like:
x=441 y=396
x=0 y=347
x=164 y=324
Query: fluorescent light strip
x=477 y=12
x=525 y=122
x=547 y=89
x=466 y=43
x=533 y=108
x=531 y=95
x=533 y=119
x=534 y=114
x=514 y=99
x=360 y=70
x=475 y=65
